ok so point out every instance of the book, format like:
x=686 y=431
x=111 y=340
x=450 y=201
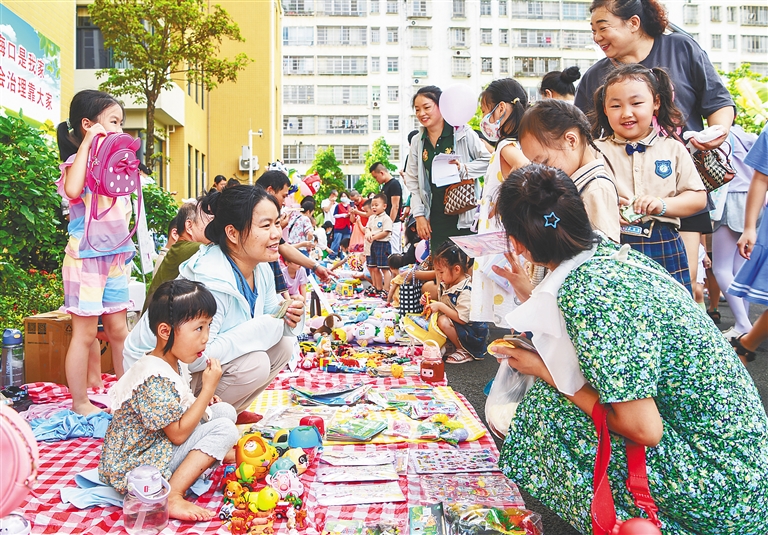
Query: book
x=426 y=519
x=355 y=430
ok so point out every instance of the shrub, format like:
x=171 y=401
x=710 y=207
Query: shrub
x=28 y=292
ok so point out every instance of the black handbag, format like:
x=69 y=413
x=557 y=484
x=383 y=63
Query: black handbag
x=410 y=295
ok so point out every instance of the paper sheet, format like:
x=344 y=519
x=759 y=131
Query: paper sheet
x=444 y=173
x=478 y=245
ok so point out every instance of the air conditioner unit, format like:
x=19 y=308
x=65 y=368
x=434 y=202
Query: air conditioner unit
x=246 y=164
x=375 y=104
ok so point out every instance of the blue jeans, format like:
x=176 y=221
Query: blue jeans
x=339 y=235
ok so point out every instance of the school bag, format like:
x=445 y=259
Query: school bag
x=112 y=171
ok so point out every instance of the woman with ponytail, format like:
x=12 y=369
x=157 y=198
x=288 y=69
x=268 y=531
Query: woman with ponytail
x=612 y=327
x=559 y=84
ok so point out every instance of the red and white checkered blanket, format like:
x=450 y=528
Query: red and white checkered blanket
x=315 y=379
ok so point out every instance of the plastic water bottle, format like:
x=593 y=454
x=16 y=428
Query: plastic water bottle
x=12 y=358
x=145 y=508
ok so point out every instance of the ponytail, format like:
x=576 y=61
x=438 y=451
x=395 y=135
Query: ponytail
x=87 y=104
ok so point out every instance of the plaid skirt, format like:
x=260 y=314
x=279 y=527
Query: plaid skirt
x=666 y=247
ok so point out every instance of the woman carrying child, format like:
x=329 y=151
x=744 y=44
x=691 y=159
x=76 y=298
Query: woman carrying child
x=654 y=174
x=470 y=338
x=95 y=280
x=157 y=420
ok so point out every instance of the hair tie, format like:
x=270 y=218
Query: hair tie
x=517 y=99
x=69 y=126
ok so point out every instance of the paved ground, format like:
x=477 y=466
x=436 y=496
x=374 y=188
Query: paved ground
x=471 y=378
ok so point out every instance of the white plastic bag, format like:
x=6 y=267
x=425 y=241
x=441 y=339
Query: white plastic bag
x=506 y=393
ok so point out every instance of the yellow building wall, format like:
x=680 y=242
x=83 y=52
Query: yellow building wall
x=252 y=102
x=56 y=20
x=189 y=182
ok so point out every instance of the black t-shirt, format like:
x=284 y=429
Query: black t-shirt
x=393 y=189
x=699 y=91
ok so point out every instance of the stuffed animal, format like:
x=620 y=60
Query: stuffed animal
x=364 y=333
x=330 y=323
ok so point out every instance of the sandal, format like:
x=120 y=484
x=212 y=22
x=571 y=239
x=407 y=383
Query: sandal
x=715 y=315
x=742 y=351
x=460 y=356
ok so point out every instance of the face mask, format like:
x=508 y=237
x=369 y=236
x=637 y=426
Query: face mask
x=491 y=130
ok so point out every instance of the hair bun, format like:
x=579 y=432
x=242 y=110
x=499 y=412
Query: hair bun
x=570 y=75
x=210 y=203
x=542 y=190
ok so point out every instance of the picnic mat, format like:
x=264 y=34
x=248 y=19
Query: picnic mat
x=316 y=379
x=61 y=461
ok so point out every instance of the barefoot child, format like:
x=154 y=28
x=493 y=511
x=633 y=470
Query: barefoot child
x=156 y=418
x=377 y=235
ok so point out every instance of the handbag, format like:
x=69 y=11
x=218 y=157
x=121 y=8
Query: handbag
x=714 y=166
x=603 y=510
x=460 y=197
x=410 y=295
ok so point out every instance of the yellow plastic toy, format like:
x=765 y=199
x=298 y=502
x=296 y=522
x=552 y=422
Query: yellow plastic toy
x=424 y=329
x=252 y=449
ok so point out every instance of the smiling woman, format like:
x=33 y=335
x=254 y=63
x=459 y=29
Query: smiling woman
x=252 y=344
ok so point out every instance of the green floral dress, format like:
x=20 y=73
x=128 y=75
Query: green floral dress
x=638 y=335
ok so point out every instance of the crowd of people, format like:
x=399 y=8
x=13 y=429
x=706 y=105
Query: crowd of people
x=607 y=223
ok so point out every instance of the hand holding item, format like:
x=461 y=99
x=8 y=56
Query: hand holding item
x=211 y=375
x=516 y=276
x=523 y=360
x=294 y=312
x=423 y=228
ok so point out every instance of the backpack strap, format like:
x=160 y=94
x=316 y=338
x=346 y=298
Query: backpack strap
x=94 y=208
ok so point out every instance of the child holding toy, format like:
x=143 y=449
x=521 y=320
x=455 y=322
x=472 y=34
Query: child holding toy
x=470 y=338
x=156 y=417
x=377 y=235
x=295 y=277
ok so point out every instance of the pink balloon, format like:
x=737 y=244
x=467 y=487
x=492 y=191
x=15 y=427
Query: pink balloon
x=422 y=250
x=458 y=104
x=304 y=189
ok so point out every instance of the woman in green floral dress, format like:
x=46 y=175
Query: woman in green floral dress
x=670 y=379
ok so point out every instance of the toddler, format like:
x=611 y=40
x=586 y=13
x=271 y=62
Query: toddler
x=377 y=236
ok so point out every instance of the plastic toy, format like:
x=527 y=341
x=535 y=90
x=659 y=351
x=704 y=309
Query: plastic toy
x=286 y=482
x=299 y=458
x=280 y=441
x=252 y=449
x=233 y=493
x=267 y=499
x=305 y=436
x=317 y=421
x=282 y=464
x=245 y=473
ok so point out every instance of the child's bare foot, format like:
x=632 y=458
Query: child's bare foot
x=85 y=409
x=229 y=458
x=181 y=509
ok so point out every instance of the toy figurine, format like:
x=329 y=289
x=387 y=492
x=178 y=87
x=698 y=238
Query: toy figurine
x=252 y=449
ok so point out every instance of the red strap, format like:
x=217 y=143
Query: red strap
x=637 y=481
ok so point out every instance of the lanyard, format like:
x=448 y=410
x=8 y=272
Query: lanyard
x=245 y=289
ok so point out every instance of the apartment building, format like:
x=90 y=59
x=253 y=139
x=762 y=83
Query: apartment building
x=351 y=67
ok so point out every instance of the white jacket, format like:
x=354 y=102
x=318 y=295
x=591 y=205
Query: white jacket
x=233 y=332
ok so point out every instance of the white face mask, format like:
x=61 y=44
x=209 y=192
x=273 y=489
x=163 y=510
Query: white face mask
x=491 y=130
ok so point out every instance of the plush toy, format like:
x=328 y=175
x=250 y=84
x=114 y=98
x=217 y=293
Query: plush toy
x=252 y=449
x=324 y=347
x=330 y=322
x=364 y=333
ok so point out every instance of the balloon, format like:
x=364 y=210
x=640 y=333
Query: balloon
x=422 y=250
x=458 y=104
x=313 y=181
x=304 y=189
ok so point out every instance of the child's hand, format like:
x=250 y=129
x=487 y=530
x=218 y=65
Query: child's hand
x=436 y=306
x=623 y=201
x=423 y=299
x=746 y=242
x=211 y=374
x=368 y=238
x=92 y=132
x=214 y=400
x=647 y=205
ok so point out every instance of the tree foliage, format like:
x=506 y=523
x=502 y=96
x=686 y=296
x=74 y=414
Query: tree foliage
x=379 y=152
x=161 y=40
x=329 y=169
x=750 y=94
x=160 y=207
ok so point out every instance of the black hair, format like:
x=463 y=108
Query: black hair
x=432 y=92
x=367 y=202
x=172 y=225
x=668 y=117
x=233 y=206
x=327 y=224
x=541 y=208
x=219 y=178
x=549 y=119
x=86 y=104
x=344 y=243
x=308 y=206
x=509 y=91
x=179 y=301
x=309 y=198
x=396 y=261
x=374 y=165
x=411 y=134
x=411 y=235
x=652 y=15
x=560 y=82
x=232 y=182
x=452 y=255
x=277 y=180
x=382 y=197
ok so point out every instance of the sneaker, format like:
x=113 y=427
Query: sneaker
x=732 y=333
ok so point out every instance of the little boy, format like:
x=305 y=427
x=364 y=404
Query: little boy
x=377 y=233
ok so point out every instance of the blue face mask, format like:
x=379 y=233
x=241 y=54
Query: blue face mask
x=490 y=129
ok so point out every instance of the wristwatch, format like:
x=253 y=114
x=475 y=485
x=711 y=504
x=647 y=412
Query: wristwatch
x=314 y=268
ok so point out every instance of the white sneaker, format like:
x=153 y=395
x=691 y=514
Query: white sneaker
x=732 y=333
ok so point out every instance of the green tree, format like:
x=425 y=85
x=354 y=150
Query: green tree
x=750 y=94
x=379 y=152
x=161 y=207
x=329 y=169
x=161 y=40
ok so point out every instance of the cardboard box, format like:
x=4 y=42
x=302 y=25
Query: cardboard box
x=46 y=341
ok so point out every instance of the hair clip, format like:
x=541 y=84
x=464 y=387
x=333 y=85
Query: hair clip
x=69 y=126
x=551 y=220
x=517 y=99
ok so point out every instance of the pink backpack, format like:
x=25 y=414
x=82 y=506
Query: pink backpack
x=112 y=171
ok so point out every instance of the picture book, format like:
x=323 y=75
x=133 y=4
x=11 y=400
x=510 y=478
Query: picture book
x=426 y=519
x=439 y=461
x=355 y=430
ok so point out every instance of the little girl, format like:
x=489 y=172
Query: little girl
x=557 y=133
x=95 y=282
x=654 y=174
x=295 y=277
x=451 y=265
x=156 y=418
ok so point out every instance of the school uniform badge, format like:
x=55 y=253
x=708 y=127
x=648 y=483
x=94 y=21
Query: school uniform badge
x=663 y=168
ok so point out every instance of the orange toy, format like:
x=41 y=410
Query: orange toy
x=252 y=449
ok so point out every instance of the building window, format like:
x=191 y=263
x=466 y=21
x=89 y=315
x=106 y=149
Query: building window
x=419 y=8
x=731 y=14
x=90 y=44
x=732 y=46
x=392 y=6
x=342 y=94
x=504 y=65
x=420 y=37
x=392 y=35
x=375 y=8
x=375 y=37
x=536 y=66
x=536 y=9
x=298 y=153
x=459 y=9
x=352 y=65
x=376 y=123
x=755 y=44
x=298 y=65
x=376 y=92
x=298 y=35
x=502 y=8
x=393 y=93
x=298 y=7
x=577 y=39
x=754 y=15
x=690 y=14
x=459 y=37
x=342 y=8
x=298 y=94
x=420 y=66
x=486 y=36
x=575 y=11
x=717 y=42
x=393 y=123
x=298 y=125
x=342 y=125
x=759 y=68
x=485 y=7
x=342 y=35
x=395 y=152
x=486 y=65
x=732 y=67
x=375 y=64
x=189 y=171
x=714 y=14
x=535 y=38
x=503 y=36
x=460 y=67
x=393 y=65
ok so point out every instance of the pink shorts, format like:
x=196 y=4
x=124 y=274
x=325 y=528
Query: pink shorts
x=96 y=286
